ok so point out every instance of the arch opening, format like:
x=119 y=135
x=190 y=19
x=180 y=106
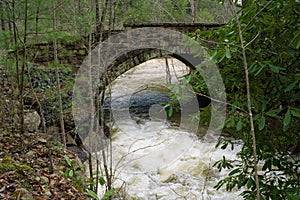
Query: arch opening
x=133 y=58
x=148 y=101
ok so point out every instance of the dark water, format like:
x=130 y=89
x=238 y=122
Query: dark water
x=139 y=105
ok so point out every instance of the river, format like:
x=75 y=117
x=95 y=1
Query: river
x=154 y=158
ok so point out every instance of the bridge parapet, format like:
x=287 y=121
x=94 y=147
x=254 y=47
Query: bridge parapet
x=181 y=27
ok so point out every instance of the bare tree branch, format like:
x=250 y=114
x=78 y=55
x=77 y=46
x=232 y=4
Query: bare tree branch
x=249 y=103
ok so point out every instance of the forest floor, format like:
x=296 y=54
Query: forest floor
x=34 y=165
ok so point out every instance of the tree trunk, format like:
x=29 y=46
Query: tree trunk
x=100 y=25
x=79 y=12
x=97 y=16
x=24 y=64
x=194 y=6
x=10 y=22
x=2 y=16
x=252 y=129
x=37 y=21
x=56 y=62
x=110 y=16
x=18 y=76
x=79 y=7
x=103 y=15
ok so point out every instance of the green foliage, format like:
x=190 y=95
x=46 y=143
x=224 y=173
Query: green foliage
x=71 y=172
x=271 y=36
x=74 y=172
x=140 y=11
x=108 y=194
x=9 y=164
x=92 y=194
x=72 y=22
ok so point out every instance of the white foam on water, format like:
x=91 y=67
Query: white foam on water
x=167 y=163
x=153 y=160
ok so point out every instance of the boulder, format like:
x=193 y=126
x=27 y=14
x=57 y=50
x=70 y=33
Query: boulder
x=32 y=120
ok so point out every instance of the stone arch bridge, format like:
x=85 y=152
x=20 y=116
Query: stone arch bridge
x=123 y=58
x=73 y=54
x=138 y=43
x=122 y=50
x=127 y=49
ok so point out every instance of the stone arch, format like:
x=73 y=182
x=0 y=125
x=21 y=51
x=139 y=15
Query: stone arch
x=125 y=50
x=136 y=57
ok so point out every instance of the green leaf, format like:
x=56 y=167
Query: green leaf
x=291 y=86
x=230 y=123
x=295 y=112
x=239 y=125
x=295 y=42
x=71 y=173
x=224 y=146
x=219 y=185
x=261 y=67
x=262 y=123
x=256 y=117
x=92 y=194
x=69 y=162
x=170 y=111
x=273 y=113
x=264 y=105
x=227 y=53
x=108 y=194
x=250 y=183
x=101 y=181
x=221 y=55
x=267 y=165
x=298 y=44
x=276 y=162
x=235 y=171
x=287 y=120
x=214 y=55
x=274 y=68
x=78 y=167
